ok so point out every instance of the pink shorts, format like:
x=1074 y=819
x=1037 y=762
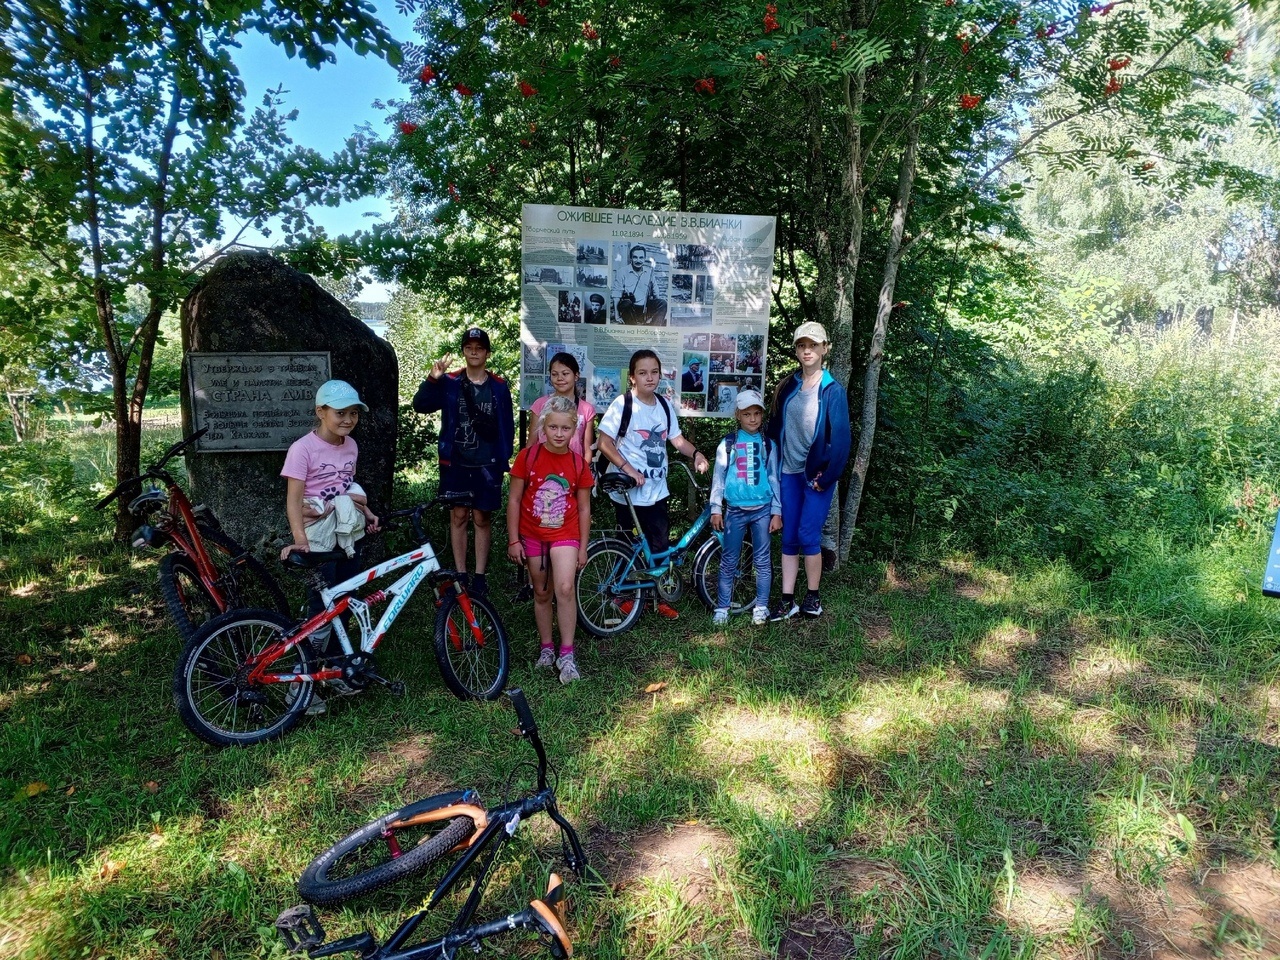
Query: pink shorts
x=541 y=549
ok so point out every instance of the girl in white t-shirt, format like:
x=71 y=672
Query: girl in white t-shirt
x=564 y=372
x=641 y=453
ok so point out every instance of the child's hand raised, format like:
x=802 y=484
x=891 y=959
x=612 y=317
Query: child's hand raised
x=440 y=367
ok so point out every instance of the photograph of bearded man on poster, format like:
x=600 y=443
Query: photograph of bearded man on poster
x=640 y=277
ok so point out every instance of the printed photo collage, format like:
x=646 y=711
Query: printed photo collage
x=715 y=366
x=640 y=284
x=602 y=283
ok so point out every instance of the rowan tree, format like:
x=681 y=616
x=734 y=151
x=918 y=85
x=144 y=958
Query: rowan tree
x=127 y=157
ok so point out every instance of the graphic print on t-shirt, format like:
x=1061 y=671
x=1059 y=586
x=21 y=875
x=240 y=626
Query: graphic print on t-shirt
x=335 y=477
x=551 y=501
x=653 y=444
x=748 y=463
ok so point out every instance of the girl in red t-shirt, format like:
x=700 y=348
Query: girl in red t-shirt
x=548 y=524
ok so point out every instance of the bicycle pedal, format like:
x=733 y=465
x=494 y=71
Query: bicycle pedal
x=299 y=928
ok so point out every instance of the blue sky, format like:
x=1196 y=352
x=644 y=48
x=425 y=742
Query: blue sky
x=331 y=102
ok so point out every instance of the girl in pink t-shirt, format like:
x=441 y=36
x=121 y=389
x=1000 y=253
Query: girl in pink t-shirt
x=564 y=373
x=321 y=466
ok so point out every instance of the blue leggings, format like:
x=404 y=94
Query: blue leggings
x=804 y=511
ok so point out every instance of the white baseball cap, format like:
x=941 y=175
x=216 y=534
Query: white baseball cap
x=812 y=331
x=338 y=394
x=749 y=398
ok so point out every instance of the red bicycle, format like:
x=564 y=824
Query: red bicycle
x=205 y=572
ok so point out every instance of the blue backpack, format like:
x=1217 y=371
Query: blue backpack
x=760 y=481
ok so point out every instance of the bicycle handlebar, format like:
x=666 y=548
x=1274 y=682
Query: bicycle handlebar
x=415 y=520
x=692 y=479
x=154 y=472
x=173 y=451
x=528 y=725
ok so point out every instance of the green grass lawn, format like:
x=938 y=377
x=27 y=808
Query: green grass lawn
x=956 y=760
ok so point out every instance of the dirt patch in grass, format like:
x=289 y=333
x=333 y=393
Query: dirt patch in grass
x=1232 y=910
x=686 y=854
x=407 y=760
x=877 y=626
x=1001 y=649
x=815 y=937
x=859 y=876
x=897 y=580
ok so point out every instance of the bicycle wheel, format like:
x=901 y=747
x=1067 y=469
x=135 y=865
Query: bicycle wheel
x=706 y=575
x=211 y=693
x=245 y=581
x=376 y=855
x=188 y=600
x=473 y=658
x=605 y=610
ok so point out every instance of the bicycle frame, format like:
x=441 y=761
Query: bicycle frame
x=186 y=536
x=658 y=562
x=180 y=526
x=494 y=829
x=337 y=601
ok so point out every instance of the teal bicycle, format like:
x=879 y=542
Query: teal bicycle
x=622 y=571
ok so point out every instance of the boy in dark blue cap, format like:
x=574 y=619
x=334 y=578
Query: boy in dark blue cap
x=477 y=437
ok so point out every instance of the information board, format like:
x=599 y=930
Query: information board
x=602 y=283
x=254 y=401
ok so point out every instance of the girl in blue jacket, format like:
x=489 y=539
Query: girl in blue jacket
x=810 y=422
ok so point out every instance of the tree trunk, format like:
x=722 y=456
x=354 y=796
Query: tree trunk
x=875 y=355
x=836 y=283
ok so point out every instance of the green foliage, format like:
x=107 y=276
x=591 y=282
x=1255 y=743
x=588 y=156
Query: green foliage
x=124 y=143
x=416 y=439
x=36 y=480
x=1087 y=458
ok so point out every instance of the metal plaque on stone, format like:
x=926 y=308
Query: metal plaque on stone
x=254 y=402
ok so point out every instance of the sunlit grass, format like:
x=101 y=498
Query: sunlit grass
x=958 y=759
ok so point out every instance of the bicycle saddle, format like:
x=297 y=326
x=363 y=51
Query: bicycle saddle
x=316 y=558
x=615 y=483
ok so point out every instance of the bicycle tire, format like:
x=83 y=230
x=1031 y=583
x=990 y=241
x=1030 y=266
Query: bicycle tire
x=473 y=669
x=706 y=576
x=215 y=704
x=600 y=603
x=188 y=601
x=318 y=887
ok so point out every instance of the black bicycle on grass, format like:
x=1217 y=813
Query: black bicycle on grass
x=408 y=841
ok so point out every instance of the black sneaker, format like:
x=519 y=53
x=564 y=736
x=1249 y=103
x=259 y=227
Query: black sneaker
x=479 y=585
x=811 y=606
x=785 y=610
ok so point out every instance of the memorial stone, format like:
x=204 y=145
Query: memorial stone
x=252 y=309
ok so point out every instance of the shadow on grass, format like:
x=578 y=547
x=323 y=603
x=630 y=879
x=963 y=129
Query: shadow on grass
x=965 y=737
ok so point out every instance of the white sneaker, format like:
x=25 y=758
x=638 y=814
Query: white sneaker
x=760 y=615
x=720 y=617
x=315 y=708
x=341 y=687
x=568 y=669
x=547 y=658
